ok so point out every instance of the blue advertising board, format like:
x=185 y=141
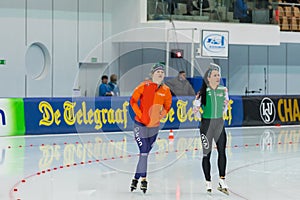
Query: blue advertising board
x=76 y=115
x=103 y=114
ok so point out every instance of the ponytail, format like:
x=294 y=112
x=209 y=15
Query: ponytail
x=203 y=89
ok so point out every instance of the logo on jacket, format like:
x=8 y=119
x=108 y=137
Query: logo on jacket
x=161 y=94
x=267 y=110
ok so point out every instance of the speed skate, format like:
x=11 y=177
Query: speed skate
x=223 y=190
x=223 y=186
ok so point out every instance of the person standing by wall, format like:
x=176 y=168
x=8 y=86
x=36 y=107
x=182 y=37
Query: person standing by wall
x=180 y=86
x=113 y=85
x=213 y=99
x=104 y=89
x=151 y=101
x=190 y=5
x=241 y=11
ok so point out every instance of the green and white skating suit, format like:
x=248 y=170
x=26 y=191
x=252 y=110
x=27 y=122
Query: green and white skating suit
x=212 y=128
x=215 y=103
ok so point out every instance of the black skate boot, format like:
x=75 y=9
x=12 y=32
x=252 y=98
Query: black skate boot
x=134 y=183
x=144 y=185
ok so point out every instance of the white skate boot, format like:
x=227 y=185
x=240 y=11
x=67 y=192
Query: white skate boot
x=223 y=186
x=208 y=187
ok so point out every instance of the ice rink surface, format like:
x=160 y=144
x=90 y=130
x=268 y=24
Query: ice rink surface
x=263 y=163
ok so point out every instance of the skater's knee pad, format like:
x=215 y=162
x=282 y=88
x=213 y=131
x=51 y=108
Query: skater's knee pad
x=144 y=154
x=206 y=155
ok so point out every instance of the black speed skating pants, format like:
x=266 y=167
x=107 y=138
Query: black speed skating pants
x=213 y=129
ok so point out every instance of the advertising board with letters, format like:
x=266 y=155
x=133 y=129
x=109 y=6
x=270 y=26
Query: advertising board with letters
x=32 y=116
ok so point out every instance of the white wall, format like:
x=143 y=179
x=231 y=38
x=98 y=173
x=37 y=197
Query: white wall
x=70 y=30
x=75 y=31
x=39 y=29
x=65 y=46
x=12 y=48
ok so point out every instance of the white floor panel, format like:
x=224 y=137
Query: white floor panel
x=263 y=163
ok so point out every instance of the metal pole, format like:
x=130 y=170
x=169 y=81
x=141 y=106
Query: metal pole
x=265 y=76
x=201 y=5
x=192 y=55
x=25 y=84
x=168 y=54
x=192 y=49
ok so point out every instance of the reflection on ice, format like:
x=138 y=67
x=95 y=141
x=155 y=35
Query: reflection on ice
x=101 y=165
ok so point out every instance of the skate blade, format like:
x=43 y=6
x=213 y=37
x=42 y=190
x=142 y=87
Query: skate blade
x=132 y=188
x=144 y=190
x=223 y=190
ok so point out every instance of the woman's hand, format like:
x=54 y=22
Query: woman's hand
x=197 y=95
x=196 y=105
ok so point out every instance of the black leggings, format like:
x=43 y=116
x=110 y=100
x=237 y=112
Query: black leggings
x=213 y=129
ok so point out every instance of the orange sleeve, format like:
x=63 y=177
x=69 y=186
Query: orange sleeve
x=167 y=103
x=135 y=99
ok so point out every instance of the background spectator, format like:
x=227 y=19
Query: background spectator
x=104 y=89
x=190 y=5
x=113 y=85
x=242 y=12
x=180 y=86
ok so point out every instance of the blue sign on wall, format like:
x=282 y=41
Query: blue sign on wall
x=215 y=43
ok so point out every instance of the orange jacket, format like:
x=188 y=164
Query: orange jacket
x=155 y=103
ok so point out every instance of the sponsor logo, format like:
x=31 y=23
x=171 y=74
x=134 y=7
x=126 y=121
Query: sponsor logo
x=137 y=136
x=214 y=43
x=81 y=114
x=267 y=140
x=204 y=141
x=267 y=110
x=136 y=129
x=288 y=110
x=2 y=117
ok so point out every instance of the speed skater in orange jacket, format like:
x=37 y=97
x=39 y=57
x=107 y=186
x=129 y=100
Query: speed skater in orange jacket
x=155 y=103
x=150 y=101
